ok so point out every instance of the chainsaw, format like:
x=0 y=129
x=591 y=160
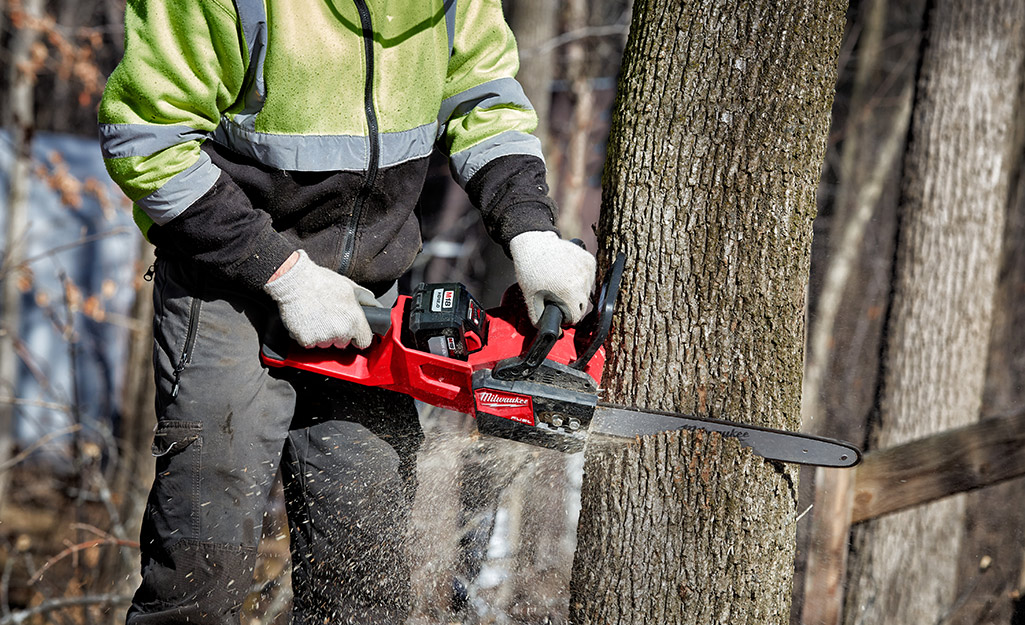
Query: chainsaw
x=533 y=385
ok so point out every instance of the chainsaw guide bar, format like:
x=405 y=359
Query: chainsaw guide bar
x=771 y=444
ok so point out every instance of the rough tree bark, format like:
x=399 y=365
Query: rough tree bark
x=955 y=185
x=992 y=570
x=713 y=164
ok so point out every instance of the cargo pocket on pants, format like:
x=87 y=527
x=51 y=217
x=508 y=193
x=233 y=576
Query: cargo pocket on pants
x=177 y=447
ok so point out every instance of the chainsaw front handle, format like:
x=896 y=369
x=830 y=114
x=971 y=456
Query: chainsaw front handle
x=549 y=330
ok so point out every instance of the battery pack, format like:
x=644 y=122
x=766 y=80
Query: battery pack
x=444 y=319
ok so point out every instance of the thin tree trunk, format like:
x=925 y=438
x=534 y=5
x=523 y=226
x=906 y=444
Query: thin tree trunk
x=114 y=11
x=535 y=23
x=22 y=125
x=539 y=513
x=714 y=159
x=874 y=127
x=991 y=556
x=952 y=215
x=579 y=146
x=873 y=139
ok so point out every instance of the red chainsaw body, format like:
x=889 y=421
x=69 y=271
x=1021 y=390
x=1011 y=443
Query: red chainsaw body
x=438 y=380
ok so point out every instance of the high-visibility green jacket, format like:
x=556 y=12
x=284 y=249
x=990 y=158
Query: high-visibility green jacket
x=243 y=131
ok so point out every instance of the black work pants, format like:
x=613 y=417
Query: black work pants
x=226 y=425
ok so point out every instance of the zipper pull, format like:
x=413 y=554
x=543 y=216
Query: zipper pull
x=148 y=276
x=178 y=374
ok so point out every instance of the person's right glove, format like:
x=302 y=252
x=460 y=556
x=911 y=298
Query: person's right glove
x=554 y=270
x=320 y=307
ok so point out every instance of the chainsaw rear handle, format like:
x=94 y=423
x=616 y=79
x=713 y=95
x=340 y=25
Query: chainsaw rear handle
x=275 y=340
x=378 y=318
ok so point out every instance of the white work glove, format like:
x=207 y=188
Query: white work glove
x=320 y=307
x=554 y=270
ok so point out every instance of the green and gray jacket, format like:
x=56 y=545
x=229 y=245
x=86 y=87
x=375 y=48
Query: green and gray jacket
x=245 y=131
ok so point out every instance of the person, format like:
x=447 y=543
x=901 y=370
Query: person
x=274 y=151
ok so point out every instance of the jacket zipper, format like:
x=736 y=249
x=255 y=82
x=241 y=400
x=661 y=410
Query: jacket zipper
x=349 y=240
x=190 y=344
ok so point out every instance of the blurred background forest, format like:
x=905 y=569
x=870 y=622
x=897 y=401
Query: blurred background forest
x=495 y=532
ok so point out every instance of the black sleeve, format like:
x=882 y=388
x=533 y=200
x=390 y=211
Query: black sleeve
x=512 y=195
x=224 y=233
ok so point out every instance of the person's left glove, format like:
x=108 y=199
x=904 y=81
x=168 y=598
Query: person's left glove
x=320 y=307
x=550 y=269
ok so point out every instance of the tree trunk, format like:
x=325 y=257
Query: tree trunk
x=579 y=145
x=20 y=120
x=852 y=257
x=873 y=138
x=903 y=567
x=136 y=427
x=713 y=165
x=535 y=23
x=990 y=577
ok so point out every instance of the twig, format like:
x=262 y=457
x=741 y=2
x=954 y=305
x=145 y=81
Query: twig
x=117 y=526
x=43 y=440
x=5 y=586
x=52 y=605
x=948 y=617
x=92 y=529
x=75 y=549
x=7 y=266
x=575 y=35
x=30 y=361
x=39 y=403
x=80 y=242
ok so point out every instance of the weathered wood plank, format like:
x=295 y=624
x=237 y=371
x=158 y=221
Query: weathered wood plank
x=956 y=461
x=904 y=476
x=827 y=560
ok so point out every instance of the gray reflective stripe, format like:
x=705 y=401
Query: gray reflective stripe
x=181 y=191
x=407 y=145
x=326 y=152
x=450 y=23
x=253 y=17
x=466 y=163
x=501 y=91
x=122 y=140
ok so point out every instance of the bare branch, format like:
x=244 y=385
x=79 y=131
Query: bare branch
x=76 y=548
x=577 y=34
x=60 y=603
x=42 y=441
x=67 y=246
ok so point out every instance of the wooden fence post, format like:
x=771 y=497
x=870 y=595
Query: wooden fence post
x=827 y=553
x=982 y=454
